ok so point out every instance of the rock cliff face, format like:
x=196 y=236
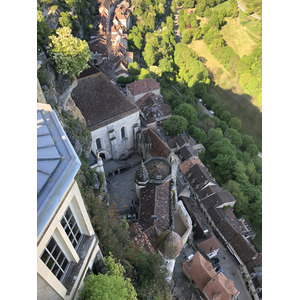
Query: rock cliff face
x=57 y=91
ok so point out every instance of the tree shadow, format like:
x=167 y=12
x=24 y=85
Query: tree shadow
x=241 y=106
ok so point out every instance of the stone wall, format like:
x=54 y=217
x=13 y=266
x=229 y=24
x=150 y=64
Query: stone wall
x=113 y=146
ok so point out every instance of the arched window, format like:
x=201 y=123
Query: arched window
x=123 y=132
x=98 y=143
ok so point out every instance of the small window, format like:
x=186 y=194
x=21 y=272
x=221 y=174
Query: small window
x=55 y=259
x=123 y=132
x=98 y=143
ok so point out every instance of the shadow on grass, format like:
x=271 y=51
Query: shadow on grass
x=240 y=106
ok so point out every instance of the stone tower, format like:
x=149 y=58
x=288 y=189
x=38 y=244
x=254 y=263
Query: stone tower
x=169 y=245
x=141 y=179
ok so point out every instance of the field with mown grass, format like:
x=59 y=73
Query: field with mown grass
x=237 y=37
x=228 y=91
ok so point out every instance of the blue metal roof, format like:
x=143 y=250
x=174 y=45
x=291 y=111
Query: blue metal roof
x=57 y=164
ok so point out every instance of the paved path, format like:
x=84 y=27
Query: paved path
x=241 y=7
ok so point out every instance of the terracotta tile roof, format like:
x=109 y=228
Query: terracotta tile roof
x=159 y=149
x=143 y=86
x=158 y=167
x=200 y=270
x=220 y=287
x=209 y=245
x=155 y=200
x=162 y=206
x=100 y=101
x=185 y=166
x=153 y=108
x=140 y=238
x=147 y=205
x=99 y=46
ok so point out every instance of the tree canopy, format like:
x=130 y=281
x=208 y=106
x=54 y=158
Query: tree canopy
x=175 y=125
x=69 y=54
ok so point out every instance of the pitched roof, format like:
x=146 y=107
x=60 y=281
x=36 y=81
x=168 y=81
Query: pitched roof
x=198 y=176
x=187 y=152
x=155 y=200
x=209 y=245
x=200 y=270
x=208 y=190
x=220 y=287
x=143 y=86
x=221 y=197
x=181 y=140
x=159 y=148
x=98 y=106
x=153 y=108
x=186 y=165
x=257 y=262
x=243 y=248
x=90 y=71
x=228 y=229
x=194 y=211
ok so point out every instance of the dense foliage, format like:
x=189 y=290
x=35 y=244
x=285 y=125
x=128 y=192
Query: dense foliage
x=69 y=54
x=175 y=125
x=112 y=285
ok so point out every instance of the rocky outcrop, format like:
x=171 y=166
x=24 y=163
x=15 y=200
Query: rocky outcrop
x=57 y=91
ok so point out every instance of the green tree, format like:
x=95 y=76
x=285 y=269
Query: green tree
x=105 y=287
x=134 y=68
x=214 y=135
x=43 y=30
x=235 y=123
x=65 y=19
x=252 y=150
x=241 y=206
x=69 y=54
x=234 y=136
x=175 y=125
x=188 y=112
x=246 y=141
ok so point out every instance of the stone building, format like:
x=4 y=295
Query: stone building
x=112 y=119
x=153 y=110
x=67 y=247
x=210 y=284
x=140 y=88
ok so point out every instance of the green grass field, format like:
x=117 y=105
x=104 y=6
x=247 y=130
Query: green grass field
x=228 y=91
x=236 y=36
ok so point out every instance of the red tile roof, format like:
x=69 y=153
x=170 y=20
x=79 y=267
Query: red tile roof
x=200 y=270
x=159 y=148
x=153 y=108
x=143 y=86
x=220 y=287
x=209 y=245
x=185 y=166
